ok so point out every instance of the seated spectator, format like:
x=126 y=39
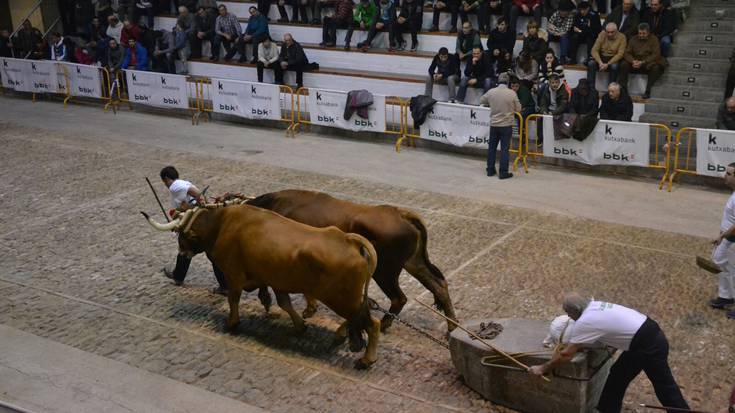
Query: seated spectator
x=533 y=44
x=528 y=105
x=554 y=99
x=662 y=22
x=730 y=83
x=209 y=6
x=124 y=10
x=95 y=31
x=27 y=41
x=469 y=6
x=298 y=7
x=293 y=58
x=384 y=21
x=467 y=40
x=584 y=99
x=726 y=115
x=102 y=9
x=318 y=6
x=6 y=46
x=129 y=31
x=59 y=49
x=85 y=55
x=452 y=6
x=136 y=56
x=625 y=17
x=526 y=8
x=365 y=15
x=341 y=19
x=163 y=52
x=616 y=104
x=550 y=67
x=494 y=8
x=268 y=59
x=115 y=56
x=226 y=30
x=114 y=28
x=560 y=28
x=501 y=38
x=503 y=64
x=642 y=55
x=477 y=73
x=585 y=29
x=83 y=13
x=444 y=69
x=409 y=20
x=203 y=30
x=607 y=52
x=527 y=70
x=185 y=20
x=144 y=8
x=255 y=32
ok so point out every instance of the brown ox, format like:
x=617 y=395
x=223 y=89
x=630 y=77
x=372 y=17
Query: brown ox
x=257 y=248
x=399 y=237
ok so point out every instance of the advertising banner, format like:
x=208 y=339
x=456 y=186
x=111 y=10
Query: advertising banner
x=84 y=80
x=327 y=108
x=157 y=89
x=246 y=99
x=458 y=125
x=16 y=74
x=44 y=77
x=715 y=150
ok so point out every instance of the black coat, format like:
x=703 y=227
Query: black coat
x=293 y=55
x=451 y=67
x=589 y=24
x=630 y=27
x=583 y=104
x=620 y=109
x=413 y=12
x=536 y=47
x=501 y=41
x=562 y=100
x=662 y=23
x=480 y=70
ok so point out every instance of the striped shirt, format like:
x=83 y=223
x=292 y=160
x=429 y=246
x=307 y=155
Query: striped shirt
x=228 y=24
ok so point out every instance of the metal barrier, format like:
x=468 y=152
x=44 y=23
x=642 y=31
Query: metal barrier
x=105 y=86
x=676 y=168
x=205 y=103
x=119 y=87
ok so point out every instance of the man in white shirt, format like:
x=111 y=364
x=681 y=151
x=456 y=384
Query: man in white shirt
x=185 y=195
x=643 y=343
x=723 y=255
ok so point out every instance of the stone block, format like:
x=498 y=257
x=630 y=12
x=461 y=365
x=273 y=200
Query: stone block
x=574 y=387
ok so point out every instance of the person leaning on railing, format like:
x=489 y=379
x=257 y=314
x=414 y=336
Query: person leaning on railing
x=27 y=40
x=616 y=104
x=115 y=56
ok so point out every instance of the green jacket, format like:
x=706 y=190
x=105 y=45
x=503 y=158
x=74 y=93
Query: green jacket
x=365 y=14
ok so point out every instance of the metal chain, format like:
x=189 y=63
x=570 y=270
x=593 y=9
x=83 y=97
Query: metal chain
x=374 y=306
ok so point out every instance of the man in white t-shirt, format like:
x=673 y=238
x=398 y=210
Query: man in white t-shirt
x=643 y=343
x=723 y=255
x=185 y=195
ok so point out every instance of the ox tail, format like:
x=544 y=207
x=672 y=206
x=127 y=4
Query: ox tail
x=265 y=201
x=361 y=321
x=421 y=248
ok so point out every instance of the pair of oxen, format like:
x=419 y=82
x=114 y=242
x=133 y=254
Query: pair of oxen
x=328 y=249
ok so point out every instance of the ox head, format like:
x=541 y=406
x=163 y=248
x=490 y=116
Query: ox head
x=190 y=243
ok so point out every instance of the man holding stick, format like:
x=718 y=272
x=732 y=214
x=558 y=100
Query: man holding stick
x=723 y=256
x=643 y=343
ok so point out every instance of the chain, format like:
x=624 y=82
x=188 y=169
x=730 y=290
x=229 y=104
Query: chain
x=375 y=306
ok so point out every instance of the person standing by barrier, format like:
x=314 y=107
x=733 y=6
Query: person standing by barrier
x=723 y=255
x=504 y=103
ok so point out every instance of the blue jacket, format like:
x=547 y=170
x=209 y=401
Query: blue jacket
x=257 y=26
x=140 y=54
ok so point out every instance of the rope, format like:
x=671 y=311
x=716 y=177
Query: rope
x=375 y=306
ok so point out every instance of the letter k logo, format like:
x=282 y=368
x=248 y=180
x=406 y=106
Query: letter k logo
x=473 y=114
x=318 y=96
x=163 y=80
x=220 y=86
x=608 y=130
x=254 y=91
x=712 y=139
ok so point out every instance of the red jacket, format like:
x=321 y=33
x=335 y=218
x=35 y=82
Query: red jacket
x=530 y=3
x=132 y=33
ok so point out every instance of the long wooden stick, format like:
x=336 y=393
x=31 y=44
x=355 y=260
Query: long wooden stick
x=671 y=409
x=476 y=337
x=165 y=215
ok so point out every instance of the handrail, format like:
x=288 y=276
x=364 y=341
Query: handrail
x=43 y=35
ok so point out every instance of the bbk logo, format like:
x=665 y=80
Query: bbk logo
x=40 y=85
x=565 y=151
x=608 y=130
x=473 y=114
x=253 y=91
x=318 y=96
x=170 y=101
x=259 y=112
x=85 y=90
x=715 y=167
x=325 y=119
x=479 y=139
x=364 y=123
x=220 y=86
x=61 y=86
x=141 y=98
x=437 y=134
x=230 y=108
x=616 y=157
x=712 y=139
x=12 y=82
x=163 y=80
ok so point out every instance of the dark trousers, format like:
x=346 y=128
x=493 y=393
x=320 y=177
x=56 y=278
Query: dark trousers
x=483 y=15
x=67 y=16
x=164 y=63
x=649 y=351
x=219 y=40
x=654 y=73
x=298 y=68
x=264 y=7
x=502 y=135
x=575 y=39
x=277 y=72
x=149 y=12
x=453 y=7
x=182 y=267
x=374 y=31
x=196 y=45
x=316 y=16
x=465 y=15
x=330 y=26
x=593 y=67
x=298 y=6
x=730 y=85
x=516 y=11
x=255 y=41
x=411 y=26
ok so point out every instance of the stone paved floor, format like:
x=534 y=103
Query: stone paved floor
x=78 y=265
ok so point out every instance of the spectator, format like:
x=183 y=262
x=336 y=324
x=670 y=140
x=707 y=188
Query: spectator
x=130 y=30
x=85 y=55
x=66 y=15
x=319 y=5
x=203 y=30
x=268 y=59
x=163 y=53
x=144 y=8
x=255 y=32
x=528 y=105
x=342 y=19
x=210 y=6
x=616 y=104
x=527 y=70
x=124 y=10
x=467 y=40
x=662 y=22
x=264 y=7
x=533 y=44
x=560 y=28
x=444 y=69
x=135 y=56
x=504 y=103
x=501 y=38
x=27 y=39
x=469 y=6
x=445 y=5
x=6 y=46
x=554 y=99
x=296 y=7
x=59 y=49
x=585 y=29
x=185 y=20
x=526 y=8
x=364 y=17
x=504 y=63
x=226 y=30
x=550 y=67
x=102 y=8
x=114 y=28
x=584 y=99
x=730 y=83
x=494 y=8
x=726 y=115
x=95 y=31
x=409 y=19
x=292 y=57
x=477 y=73
x=643 y=55
x=385 y=18
x=625 y=17
x=115 y=56
x=607 y=52
x=83 y=13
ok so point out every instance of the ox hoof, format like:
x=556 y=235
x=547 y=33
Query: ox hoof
x=308 y=312
x=362 y=364
x=231 y=328
x=385 y=323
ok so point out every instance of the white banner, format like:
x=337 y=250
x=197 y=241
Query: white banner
x=327 y=108
x=16 y=74
x=246 y=99
x=459 y=125
x=715 y=150
x=157 y=89
x=84 y=80
x=610 y=143
x=44 y=77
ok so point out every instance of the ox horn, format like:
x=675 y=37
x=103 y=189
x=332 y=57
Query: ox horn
x=162 y=227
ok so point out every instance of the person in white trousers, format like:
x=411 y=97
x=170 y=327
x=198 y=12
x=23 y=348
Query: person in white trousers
x=723 y=255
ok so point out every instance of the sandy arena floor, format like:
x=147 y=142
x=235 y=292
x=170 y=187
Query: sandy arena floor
x=78 y=265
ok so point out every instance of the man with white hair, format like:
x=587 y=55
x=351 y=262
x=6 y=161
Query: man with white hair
x=643 y=343
x=723 y=256
x=607 y=52
x=504 y=103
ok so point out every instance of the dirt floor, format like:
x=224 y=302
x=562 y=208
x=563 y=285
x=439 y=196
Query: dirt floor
x=80 y=266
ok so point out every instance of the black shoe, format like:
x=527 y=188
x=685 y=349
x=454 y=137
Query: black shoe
x=453 y=29
x=505 y=176
x=347 y=47
x=316 y=22
x=414 y=46
x=214 y=58
x=322 y=44
x=492 y=173
x=219 y=290
x=170 y=275
x=720 y=303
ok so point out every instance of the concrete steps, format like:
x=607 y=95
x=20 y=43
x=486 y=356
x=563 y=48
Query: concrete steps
x=675 y=78
x=710 y=25
x=699 y=51
x=725 y=12
x=687 y=93
x=697 y=66
x=679 y=108
x=676 y=122
x=703 y=38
